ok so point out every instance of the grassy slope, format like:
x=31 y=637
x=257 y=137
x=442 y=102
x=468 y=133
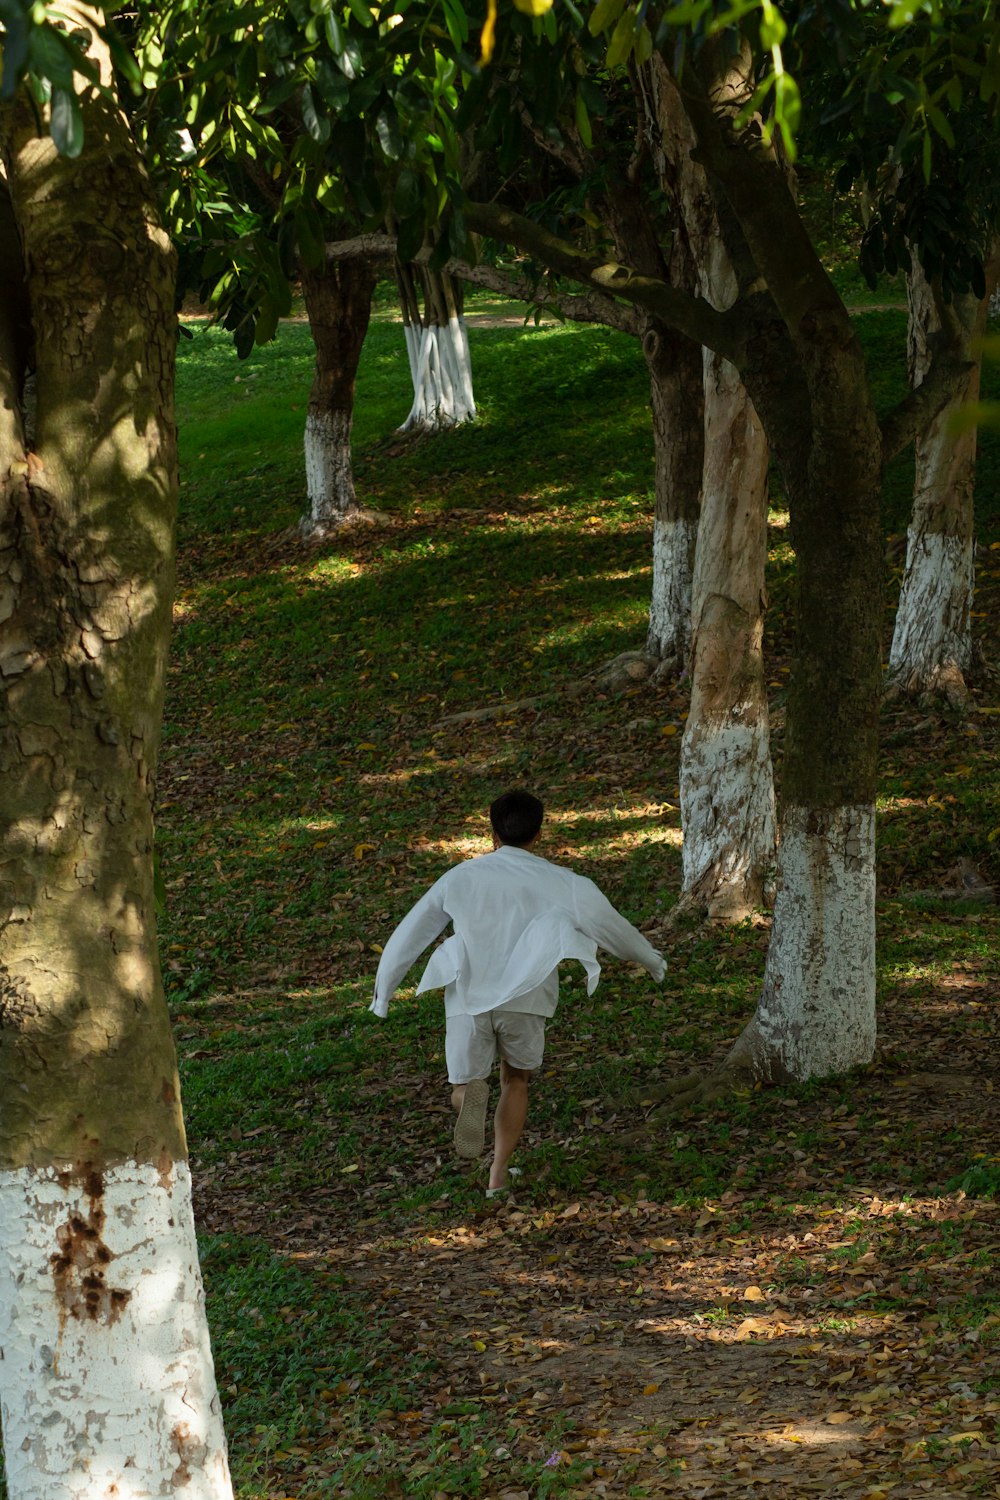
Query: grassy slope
x=307 y=796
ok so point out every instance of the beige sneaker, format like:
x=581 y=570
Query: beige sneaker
x=470 y=1127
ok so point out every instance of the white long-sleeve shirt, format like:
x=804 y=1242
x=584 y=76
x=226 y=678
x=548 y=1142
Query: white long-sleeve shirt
x=516 y=917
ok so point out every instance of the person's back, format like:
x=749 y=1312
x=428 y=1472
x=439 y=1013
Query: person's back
x=516 y=917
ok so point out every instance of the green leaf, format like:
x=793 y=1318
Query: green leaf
x=66 y=123
x=408 y=195
x=387 y=130
x=603 y=15
x=349 y=61
x=318 y=125
x=361 y=12
x=53 y=56
x=621 y=41
x=309 y=233
x=267 y=321
x=583 y=120
x=941 y=125
x=334 y=34
x=772 y=29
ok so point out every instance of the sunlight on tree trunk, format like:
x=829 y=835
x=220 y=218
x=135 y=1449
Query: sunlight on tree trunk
x=437 y=344
x=106 y=1378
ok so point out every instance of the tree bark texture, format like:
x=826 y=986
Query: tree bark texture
x=931 y=650
x=804 y=371
x=437 y=344
x=96 y=1237
x=674 y=365
x=338 y=297
x=726 y=783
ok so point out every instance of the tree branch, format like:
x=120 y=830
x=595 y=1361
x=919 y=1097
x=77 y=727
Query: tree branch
x=582 y=308
x=362 y=246
x=689 y=315
x=909 y=418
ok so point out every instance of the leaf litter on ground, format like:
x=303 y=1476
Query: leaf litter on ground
x=791 y=1292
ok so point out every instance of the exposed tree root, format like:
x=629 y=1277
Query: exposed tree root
x=615 y=676
x=748 y=1065
x=314 y=532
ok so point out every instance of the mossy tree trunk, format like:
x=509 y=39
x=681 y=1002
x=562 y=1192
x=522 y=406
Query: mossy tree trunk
x=338 y=298
x=106 y=1380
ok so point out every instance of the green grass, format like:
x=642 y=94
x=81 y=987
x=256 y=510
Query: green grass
x=309 y=791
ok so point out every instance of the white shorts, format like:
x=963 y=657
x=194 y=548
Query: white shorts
x=471 y=1043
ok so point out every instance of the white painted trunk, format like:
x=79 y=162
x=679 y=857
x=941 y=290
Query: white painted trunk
x=107 y=1387
x=932 y=639
x=726 y=782
x=670 y=601
x=931 y=649
x=816 y=1015
x=329 y=472
x=441 y=369
x=727 y=798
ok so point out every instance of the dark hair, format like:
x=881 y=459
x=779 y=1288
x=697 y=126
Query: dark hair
x=516 y=818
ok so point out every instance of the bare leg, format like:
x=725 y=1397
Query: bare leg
x=508 y=1122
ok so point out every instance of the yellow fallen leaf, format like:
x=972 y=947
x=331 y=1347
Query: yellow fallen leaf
x=352 y=1168
x=651 y=1389
x=753 y=1294
x=367 y=745
x=360 y=850
x=669 y=729
x=836 y=1418
x=479 y=1346
x=662 y=1245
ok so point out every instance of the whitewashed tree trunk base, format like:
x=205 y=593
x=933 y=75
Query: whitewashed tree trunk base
x=441 y=370
x=107 y=1385
x=932 y=644
x=728 y=815
x=816 y=1014
x=669 y=637
x=329 y=473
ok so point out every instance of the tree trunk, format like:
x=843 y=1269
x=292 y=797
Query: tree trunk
x=674 y=365
x=804 y=371
x=106 y=1379
x=931 y=650
x=338 y=300
x=726 y=783
x=437 y=344
x=816 y=1014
